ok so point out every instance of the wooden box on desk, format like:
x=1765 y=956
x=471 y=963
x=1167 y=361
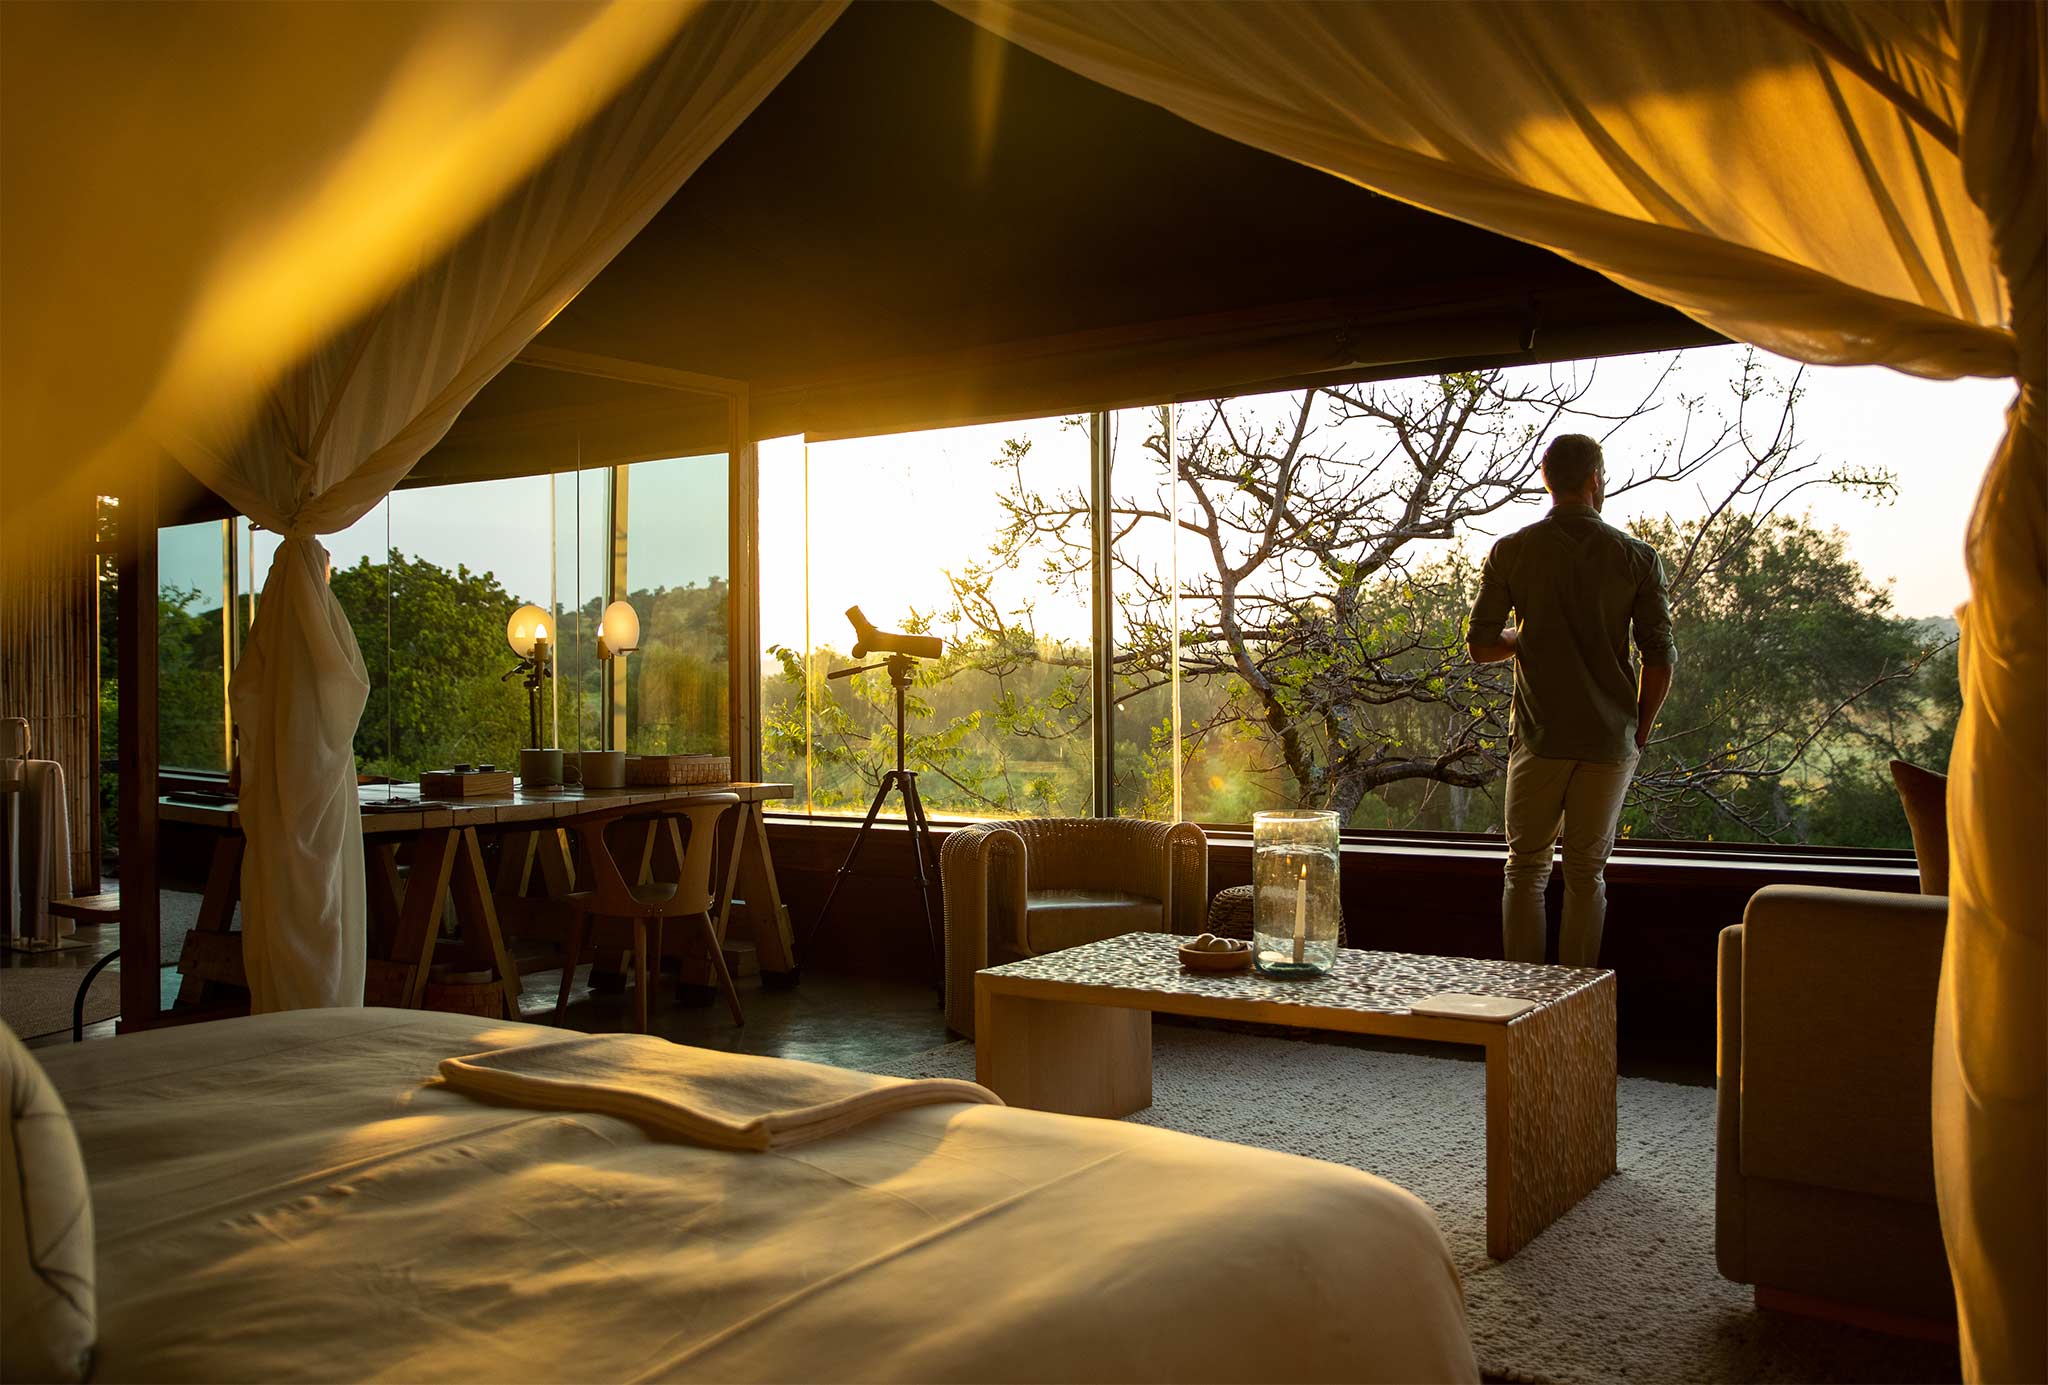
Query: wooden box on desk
x=449 y=783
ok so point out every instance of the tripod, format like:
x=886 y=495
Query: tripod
x=904 y=781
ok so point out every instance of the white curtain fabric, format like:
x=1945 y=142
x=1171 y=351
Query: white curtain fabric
x=1840 y=183
x=1991 y=1038
x=340 y=429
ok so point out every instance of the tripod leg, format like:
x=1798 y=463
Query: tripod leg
x=852 y=854
x=926 y=847
x=920 y=846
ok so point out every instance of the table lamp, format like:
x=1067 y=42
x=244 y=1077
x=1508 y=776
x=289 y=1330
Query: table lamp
x=527 y=633
x=618 y=630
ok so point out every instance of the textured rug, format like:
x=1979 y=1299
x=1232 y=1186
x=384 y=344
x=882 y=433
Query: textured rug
x=1622 y=1288
x=177 y=914
x=36 y=1000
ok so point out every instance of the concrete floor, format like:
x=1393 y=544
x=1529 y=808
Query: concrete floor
x=841 y=1020
x=845 y=1021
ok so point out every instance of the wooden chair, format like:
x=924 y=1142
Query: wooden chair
x=644 y=907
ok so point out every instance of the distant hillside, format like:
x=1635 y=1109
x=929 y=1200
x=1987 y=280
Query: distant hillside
x=1936 y=629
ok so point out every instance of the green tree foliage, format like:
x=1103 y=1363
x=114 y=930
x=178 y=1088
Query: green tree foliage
x=436 y=657
x=191 y=706
x=433 y=643
x=993 y=733
x=1796 y=685
x=437 y=662
x=678 y=688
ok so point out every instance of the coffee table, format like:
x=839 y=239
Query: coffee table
x=1071 y=1031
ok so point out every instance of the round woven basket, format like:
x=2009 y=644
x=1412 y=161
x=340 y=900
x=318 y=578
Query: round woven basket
x=1230 y=915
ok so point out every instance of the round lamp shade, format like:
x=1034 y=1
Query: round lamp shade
x=619 y=628
x=528 y=623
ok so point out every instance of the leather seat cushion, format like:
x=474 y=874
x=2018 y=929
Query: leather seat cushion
x=1056 y=919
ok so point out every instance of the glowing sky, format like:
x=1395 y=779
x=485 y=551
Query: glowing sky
x=887 y=514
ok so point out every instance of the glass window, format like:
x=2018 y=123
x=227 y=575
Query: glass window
x=1289 y=578
x=192 y=630
x=459 y=561
x=1325 y=547
x=582 y=583
x=786 y=677
x=675 y=693
x=1145 y=556
x=430 y=576
x=926 y=533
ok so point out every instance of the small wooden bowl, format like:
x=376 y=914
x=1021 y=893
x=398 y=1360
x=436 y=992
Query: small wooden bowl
x=1238 y=960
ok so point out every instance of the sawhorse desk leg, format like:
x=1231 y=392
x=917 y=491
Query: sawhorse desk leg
x=213 y=950
x=774 y=943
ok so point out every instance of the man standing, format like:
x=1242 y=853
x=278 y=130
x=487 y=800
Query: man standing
x=1581 y=718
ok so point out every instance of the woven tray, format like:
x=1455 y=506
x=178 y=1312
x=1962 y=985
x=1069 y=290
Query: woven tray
x=655 y=770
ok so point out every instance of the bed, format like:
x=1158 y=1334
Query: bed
x=292 y=1197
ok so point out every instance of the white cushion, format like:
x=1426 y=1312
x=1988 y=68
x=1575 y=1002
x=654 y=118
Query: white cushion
x=47 y=1312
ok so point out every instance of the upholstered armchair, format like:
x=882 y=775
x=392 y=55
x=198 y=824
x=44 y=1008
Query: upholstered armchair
x=1035 y=885
x=1824 y=1168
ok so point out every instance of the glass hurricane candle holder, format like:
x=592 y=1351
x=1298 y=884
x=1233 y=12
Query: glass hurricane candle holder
x=1296 y=906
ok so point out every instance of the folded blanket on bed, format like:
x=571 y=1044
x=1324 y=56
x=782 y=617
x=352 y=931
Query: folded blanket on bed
x=722 y=1100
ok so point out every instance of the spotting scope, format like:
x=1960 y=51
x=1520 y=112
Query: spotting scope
x=868 y=640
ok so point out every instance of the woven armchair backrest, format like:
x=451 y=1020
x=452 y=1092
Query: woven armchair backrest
x=1094 y=854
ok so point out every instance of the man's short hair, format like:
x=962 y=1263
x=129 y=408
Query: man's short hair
x=1571 y=462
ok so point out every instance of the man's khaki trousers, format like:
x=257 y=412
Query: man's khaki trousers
x=1583 y=798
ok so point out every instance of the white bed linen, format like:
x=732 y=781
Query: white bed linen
x=284 y=1197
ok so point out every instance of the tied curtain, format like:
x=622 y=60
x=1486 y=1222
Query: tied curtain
x=333 y=434
x=1838 y=183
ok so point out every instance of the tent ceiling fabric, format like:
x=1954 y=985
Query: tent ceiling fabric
x=1649 y=142
x=924 y=226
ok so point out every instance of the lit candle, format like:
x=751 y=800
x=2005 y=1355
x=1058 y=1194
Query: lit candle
x=1301 y=915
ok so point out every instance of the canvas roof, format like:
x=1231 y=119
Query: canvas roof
x=878 y=248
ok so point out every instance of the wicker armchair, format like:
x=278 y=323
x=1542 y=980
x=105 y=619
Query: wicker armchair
x=1036 y=885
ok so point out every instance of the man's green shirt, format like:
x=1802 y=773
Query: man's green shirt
x=1576 y=586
